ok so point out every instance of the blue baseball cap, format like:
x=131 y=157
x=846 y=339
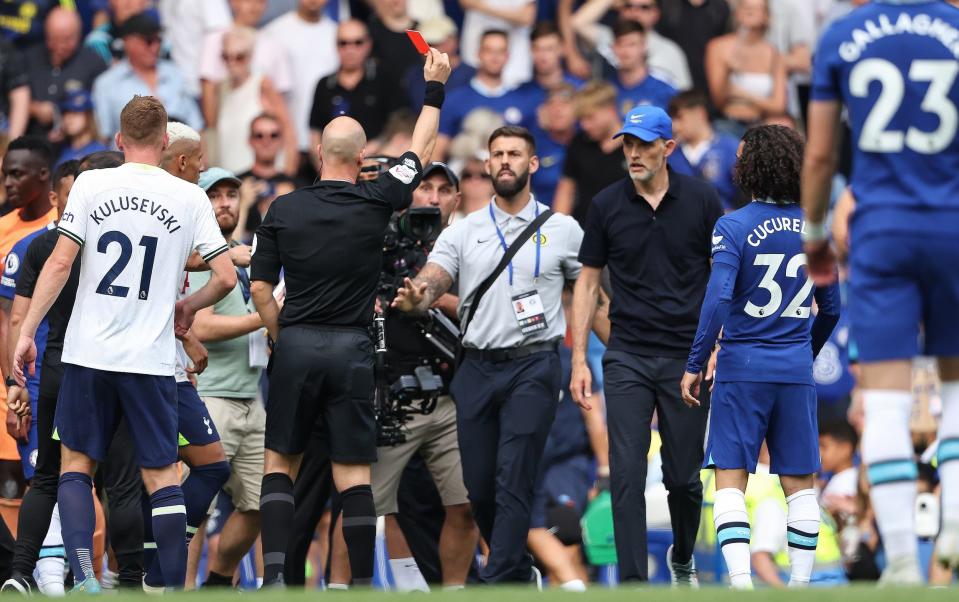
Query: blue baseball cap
x=647 y=123
x=76 y=101
x=215 y=175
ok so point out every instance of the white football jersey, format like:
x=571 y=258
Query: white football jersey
x=137 y=226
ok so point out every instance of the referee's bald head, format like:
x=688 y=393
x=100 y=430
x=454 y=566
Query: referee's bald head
x=343 y=142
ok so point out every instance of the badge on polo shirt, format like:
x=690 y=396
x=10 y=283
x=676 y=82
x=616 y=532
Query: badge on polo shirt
x=529 y=312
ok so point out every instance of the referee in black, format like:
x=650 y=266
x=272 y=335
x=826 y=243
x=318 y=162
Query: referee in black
x=327 y=239
x=652 y=229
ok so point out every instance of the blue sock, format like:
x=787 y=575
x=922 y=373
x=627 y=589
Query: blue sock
x=152 y=575
x=199 y=489
x=77 y=521
x=169 y=528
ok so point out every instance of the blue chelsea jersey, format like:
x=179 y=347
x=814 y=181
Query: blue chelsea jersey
x=894 y=66
x=766 y=336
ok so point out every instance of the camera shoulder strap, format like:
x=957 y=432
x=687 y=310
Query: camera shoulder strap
x=507 y=257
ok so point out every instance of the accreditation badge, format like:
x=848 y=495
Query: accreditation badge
x=529 y=312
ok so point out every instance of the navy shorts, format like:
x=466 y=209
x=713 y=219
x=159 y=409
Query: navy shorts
x=744 y=413
x=193 y=420
x=898 y=282
x=92 y=403
x=322 y=377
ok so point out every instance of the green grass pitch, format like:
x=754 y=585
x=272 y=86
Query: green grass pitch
x=600 y=594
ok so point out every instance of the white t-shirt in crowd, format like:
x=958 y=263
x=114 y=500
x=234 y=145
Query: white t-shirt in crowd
x=311 y=49
x=519 y=68
x=185 y=22
x=269 y=59
x=137 y=225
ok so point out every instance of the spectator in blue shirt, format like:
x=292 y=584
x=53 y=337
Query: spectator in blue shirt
x=546 y=47
x=702 y=151
x=556 y=128
x=485 y=90
x=142 y=73
x=79 y=127
x=634 y=85
x=440 y=33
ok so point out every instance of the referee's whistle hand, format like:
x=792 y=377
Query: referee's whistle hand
x=25 y=356
x=409 y=296
x=581 y=385
x=689 y=387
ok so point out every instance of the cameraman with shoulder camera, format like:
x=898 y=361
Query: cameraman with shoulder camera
x=327 y=239
x=432 y=435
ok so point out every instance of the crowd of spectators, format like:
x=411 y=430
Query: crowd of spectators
x=261 y=79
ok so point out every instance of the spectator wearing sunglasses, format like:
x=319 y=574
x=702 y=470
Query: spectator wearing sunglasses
x=242 y=96
x=361 y=88
x=265 y=178
x=142 y=73
x=268 y=57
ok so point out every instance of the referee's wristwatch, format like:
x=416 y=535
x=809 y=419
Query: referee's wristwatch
x=11 y=382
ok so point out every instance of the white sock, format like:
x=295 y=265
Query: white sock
x=732 y=532
x=888 y=455
x=802 y=535
x=949 y=454
x=407 y=576
x=338 y=586
x=453 y=588
x=576 y=585
x=51 y=567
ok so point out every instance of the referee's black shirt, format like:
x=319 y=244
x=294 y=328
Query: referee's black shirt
x=658 y=262
x=328 y=241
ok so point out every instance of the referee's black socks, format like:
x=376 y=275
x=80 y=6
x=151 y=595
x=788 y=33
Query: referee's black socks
x=276 y=521
x=359 y=531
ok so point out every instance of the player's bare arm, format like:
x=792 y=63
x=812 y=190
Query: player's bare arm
x=417 y=295
x=195 y=350
x=240 y=255
x=436 y=69
x=267 y=306
x=818 y=168
x=18 y=399
x=54 y=275
x=222 y=281
x=585 y=300
x=210 y=326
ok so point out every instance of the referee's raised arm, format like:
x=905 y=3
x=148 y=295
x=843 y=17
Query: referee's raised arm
x=436 y=71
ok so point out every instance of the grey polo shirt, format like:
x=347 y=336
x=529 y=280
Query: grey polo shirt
x=470 y=249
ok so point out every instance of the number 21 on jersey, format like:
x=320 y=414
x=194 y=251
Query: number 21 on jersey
x=106 y=286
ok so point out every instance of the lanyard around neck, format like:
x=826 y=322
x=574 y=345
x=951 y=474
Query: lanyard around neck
x=502 y=241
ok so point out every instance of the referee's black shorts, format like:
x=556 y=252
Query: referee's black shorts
x=322 y=376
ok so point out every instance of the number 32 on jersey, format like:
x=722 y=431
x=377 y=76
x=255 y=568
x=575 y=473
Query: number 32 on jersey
x=795 y=308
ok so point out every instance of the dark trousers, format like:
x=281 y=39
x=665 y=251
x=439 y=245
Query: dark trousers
x=504 y=414
x=635 y=386
x=121 y=482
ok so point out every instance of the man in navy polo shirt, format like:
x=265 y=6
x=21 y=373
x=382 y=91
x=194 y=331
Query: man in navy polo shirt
x=652 y=229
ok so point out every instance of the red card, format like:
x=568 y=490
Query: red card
x=418 y=42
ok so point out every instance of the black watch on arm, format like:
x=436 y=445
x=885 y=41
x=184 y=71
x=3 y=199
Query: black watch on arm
x=11 y=382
